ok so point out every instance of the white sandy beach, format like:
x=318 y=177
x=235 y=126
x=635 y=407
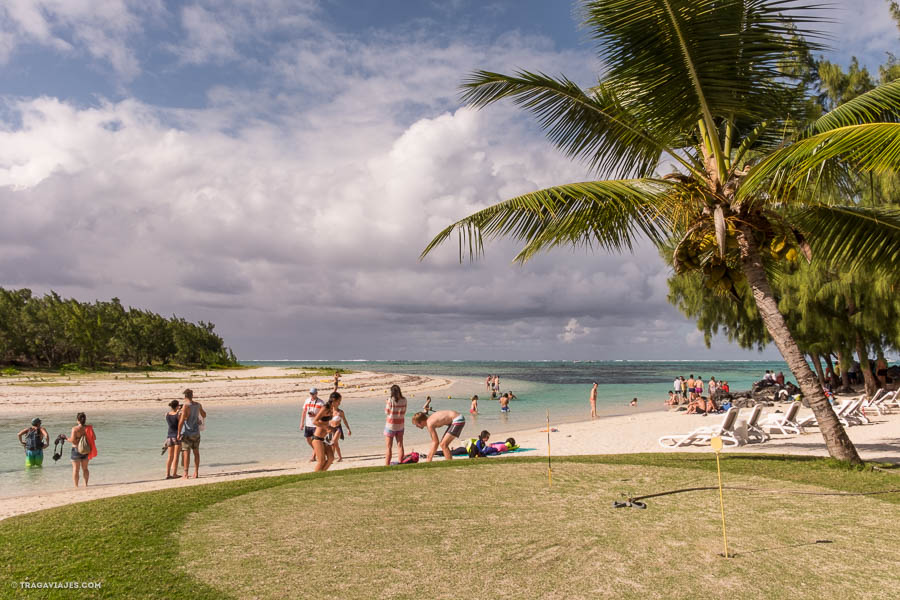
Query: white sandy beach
x=879 y=441
x=263 y=385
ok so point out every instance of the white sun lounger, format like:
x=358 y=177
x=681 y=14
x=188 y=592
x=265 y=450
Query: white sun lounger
x=785 y=423
x=882 y=402
x=725 y=430
x=893 y=402
x=847 y=413
x=854 y=415
x=753 y=428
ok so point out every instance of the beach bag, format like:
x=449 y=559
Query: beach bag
x=726 y=406
x=412 y=457
x=84 y=446
x=34 y=440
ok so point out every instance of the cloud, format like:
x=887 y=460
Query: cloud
x=292 y=213
x=100 y=28
x=573 y=330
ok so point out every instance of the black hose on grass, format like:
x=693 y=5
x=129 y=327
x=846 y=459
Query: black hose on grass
x=635 y=502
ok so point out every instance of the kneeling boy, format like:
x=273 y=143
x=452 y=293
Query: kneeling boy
x=454 y=422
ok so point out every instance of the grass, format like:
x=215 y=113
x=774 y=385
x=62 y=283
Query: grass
x=487 y=529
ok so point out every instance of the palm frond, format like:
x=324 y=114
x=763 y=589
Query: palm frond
x=881 y=105
x=873 y=147
x=678 y=61
x=589 y=125
x=607 y=214
x=853 y=237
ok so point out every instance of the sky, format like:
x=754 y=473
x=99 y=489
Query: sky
x=277 y=166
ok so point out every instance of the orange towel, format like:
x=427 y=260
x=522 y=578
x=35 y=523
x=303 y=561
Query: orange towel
x=92 y=440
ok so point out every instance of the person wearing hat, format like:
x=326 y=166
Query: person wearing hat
x=36 y=439
x=307 y=418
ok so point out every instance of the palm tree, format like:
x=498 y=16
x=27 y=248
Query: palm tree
x=704 y=88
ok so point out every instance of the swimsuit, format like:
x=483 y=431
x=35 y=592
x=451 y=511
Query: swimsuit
x=456 y=426
x=504 y=409
x=34 y=458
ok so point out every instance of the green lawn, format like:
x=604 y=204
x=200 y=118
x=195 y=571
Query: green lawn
x=490 y=528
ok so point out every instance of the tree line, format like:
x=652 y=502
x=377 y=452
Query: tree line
x=51 y=331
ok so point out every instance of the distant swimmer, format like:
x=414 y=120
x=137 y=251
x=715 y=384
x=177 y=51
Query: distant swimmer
x=454 y=422
x=633 y=402
x=504 y=403
x=36 y=439
x=474 y=406
x=594 y=401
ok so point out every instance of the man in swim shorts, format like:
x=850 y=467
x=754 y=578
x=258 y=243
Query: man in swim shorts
x=454 y=422
x=504 y=403
x=36 y=439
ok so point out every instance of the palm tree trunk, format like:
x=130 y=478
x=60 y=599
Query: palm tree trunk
x=836 y=440
x=818 y=365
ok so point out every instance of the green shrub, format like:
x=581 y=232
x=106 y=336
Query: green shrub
x=10 y=371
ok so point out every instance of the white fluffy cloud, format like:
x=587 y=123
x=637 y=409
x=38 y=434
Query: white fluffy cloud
x=293 y=215
x=99 y=28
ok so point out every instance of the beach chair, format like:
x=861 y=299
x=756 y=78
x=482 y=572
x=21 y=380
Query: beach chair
x=847 y=413
x=884 y=403
x=784 y=423
x=854 y=414
x=754 y=431
x=702 y=435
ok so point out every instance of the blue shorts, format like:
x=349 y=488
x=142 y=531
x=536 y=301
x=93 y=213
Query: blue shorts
x=504 y=409
x=34 y=458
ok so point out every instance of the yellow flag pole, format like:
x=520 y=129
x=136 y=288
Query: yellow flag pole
x=716 y=443
x=549 y=468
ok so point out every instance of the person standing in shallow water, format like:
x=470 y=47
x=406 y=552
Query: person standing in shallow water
x=36 y=439
x=594 y=401
x=395 y=423
x=189 y=432
x=80 y=459
x=173 y=446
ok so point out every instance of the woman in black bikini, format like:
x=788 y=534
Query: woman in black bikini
x=322 y=421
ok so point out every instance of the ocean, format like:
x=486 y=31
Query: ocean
x=247 y=437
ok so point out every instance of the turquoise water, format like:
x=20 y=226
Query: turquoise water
x=248 y=437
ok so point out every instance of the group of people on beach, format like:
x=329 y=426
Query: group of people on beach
x=503 y=400
x=690 y=391
x=322 y=425
x=36 y=439
x=185 y=421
